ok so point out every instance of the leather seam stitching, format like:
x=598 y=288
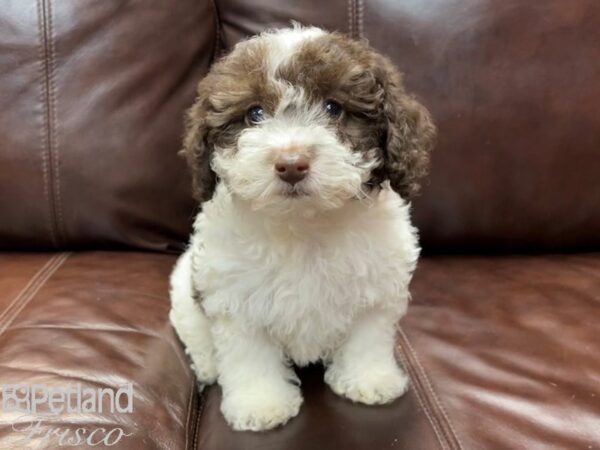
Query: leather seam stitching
x=44 y=131
x=429 y=387
x=188 y=419
x=32 y=288
x=355 y=18
x=359 y=18
x=201 y=406
x=418 y=394
x=449 y=431
x=53 y=126
x=218 y=44
x=351 y=18
x=27 y=285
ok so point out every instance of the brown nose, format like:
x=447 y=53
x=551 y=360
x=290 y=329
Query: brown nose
x=292 y=168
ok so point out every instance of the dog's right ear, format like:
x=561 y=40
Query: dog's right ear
x=196 y=148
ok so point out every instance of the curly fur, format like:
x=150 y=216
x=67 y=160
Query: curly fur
x=293 y=274
x=380 y=114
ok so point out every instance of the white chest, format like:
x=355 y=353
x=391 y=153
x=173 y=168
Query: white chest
x=305 y=293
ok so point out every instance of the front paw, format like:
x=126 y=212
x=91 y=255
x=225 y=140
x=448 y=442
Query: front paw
x=369 y=385
x=260 y=407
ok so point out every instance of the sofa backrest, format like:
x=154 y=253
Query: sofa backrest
x=514 y=87
x=92 y=96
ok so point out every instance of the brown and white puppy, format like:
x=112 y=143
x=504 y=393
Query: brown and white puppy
x=305 y=149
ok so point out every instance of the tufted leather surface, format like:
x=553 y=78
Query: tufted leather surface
x=92 y=99
x=239 y=18
x=509 y=345
x=501 y=351
x=93 y=115
x=98 y=319
x=513 y=87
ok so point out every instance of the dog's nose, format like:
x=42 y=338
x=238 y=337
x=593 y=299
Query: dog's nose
x=292 y=168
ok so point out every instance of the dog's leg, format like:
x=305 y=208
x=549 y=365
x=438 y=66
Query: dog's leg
x=259 y=390
x=189 y=321
x=364 y=369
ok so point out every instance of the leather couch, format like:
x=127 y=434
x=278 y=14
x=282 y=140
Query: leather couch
x=502 y=340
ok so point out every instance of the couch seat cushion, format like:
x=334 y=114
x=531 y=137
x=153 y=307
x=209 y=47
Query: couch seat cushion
x=502 y=353
x=98 y=319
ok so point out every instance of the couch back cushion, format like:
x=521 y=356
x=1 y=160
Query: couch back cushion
x=92 y=95
x=514 y=87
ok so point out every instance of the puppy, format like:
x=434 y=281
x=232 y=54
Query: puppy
x=304 y=148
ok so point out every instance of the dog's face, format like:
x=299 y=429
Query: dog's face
x=304 y=118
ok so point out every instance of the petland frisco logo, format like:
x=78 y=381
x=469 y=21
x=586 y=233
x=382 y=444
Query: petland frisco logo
x=38 y=402
x=71 y=399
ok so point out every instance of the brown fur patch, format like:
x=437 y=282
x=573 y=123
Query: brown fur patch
x=379 y=117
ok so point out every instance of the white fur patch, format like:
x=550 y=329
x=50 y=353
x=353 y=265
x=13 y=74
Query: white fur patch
x=282 y=44
x=295 y=288
x=304 y=279
x=189 y=321
x=336 y=175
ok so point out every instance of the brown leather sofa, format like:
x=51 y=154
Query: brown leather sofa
x=502 y=341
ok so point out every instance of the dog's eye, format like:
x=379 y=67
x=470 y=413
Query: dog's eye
x=333 y=108
x=256 y=114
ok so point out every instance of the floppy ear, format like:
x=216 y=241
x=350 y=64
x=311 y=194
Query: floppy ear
x=196 y=147
x=409 y=133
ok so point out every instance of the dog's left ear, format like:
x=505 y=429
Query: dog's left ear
x=409 y=133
